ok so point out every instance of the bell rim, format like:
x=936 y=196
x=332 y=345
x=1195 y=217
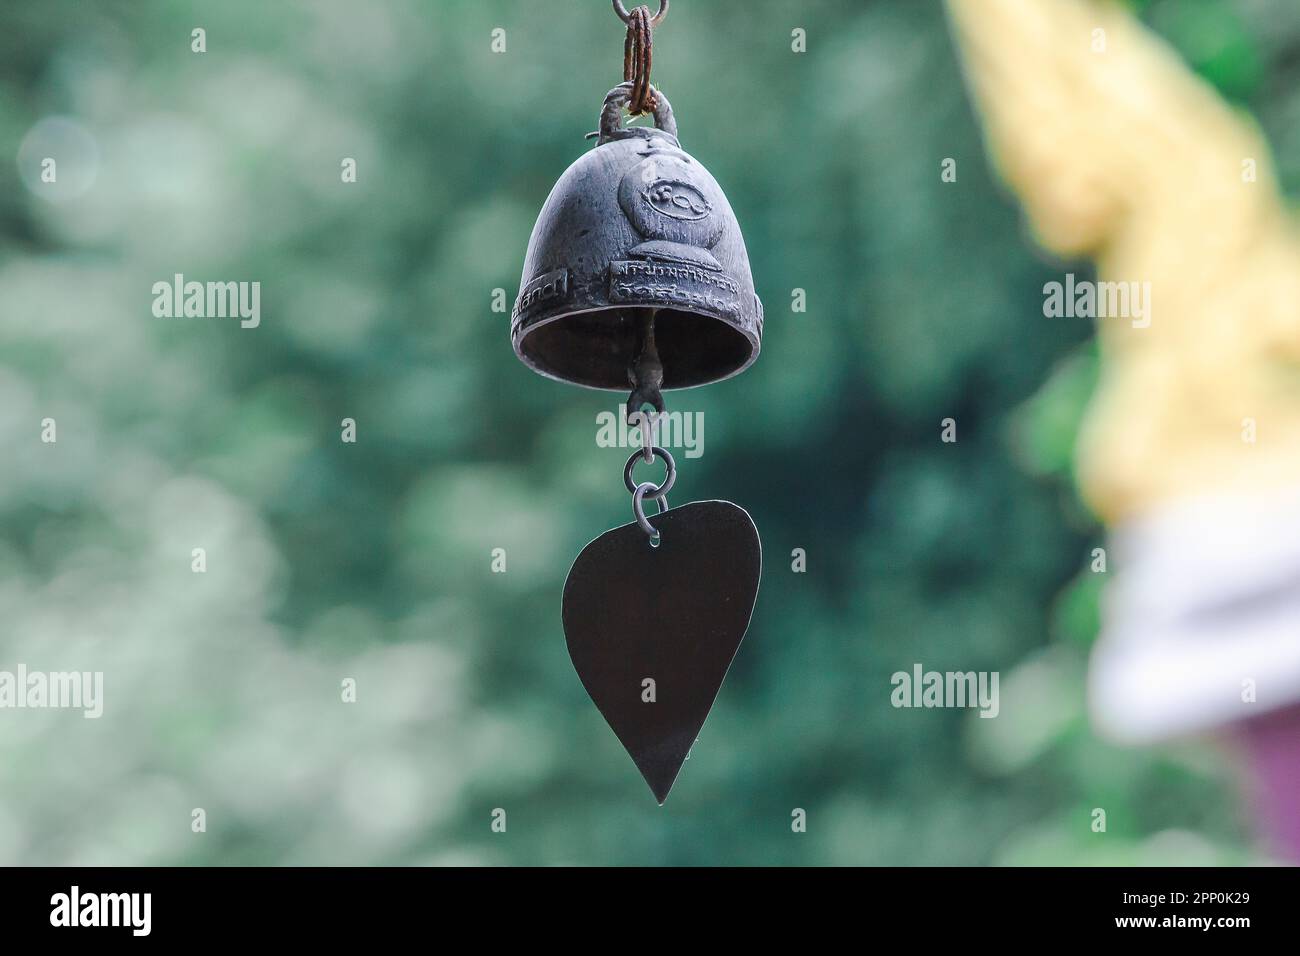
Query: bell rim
x=525 y=325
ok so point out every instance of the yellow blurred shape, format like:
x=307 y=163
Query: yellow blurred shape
x=1120 y=153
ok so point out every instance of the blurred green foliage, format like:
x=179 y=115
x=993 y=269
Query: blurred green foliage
x=372 y=560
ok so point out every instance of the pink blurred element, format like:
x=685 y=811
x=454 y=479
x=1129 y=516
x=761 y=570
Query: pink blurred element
x=1272 y=741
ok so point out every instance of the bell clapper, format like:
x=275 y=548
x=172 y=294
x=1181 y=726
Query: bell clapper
x=646 y=374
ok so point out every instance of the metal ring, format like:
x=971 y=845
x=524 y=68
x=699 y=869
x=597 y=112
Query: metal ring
x=656 y=492
x=611 y=115
x=657 y=19
x=643 y=491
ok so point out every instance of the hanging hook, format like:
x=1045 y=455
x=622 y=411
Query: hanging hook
x=646 y=490
x=657 y=19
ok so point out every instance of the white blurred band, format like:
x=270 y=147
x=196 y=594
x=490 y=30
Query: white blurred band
x=1203 y=616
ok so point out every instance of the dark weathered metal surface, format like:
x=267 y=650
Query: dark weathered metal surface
x=636 y=224
x=673 y=614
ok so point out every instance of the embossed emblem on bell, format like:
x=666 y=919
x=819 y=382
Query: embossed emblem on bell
x=636 y=226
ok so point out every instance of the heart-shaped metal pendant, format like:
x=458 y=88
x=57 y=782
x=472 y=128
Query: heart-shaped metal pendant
x=652 y=630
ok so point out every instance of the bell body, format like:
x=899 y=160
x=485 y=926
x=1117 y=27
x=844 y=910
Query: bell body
x=636 y=224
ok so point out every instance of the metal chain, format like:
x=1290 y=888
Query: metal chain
x=648 y=489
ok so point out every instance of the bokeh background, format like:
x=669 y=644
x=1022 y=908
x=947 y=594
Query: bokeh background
x=372 y=560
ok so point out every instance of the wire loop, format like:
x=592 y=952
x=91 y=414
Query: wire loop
x=637 y=55
x=657 y=19
x=643 y=491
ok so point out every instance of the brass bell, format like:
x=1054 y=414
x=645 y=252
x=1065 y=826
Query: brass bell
x=636 y=251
